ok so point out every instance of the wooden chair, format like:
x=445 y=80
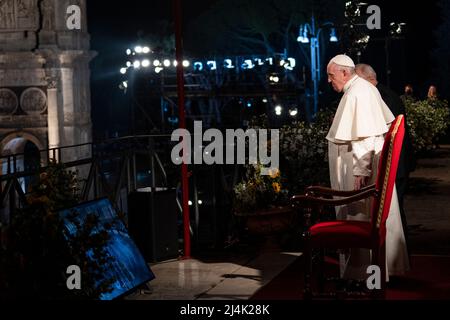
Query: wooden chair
x=345 y=234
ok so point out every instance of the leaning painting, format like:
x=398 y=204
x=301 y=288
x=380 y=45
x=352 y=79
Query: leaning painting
x=126 y=268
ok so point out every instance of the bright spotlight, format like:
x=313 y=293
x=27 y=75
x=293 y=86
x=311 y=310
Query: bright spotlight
x=158 y=69
x=275 y=79
x=278 y=110
x=175 y=63
x=125 y=84
x=200 y=202
x=166 y=63
x=264 y=100
x=128 y=52
x=293 y=112
x=190 y=202
x=186 y=63
x=123 y=70
x=137 y=64
x=138 y=49
x=129 y=64
x=333 y=37
x=156 y=63
x=145 y=50
x=146 y=63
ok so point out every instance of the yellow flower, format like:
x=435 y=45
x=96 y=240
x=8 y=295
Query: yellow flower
x=274 y=173
x=276 y=187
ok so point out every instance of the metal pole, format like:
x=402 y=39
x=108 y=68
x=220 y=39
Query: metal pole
x=182 y=114
x=314 y=64
x=314 y=72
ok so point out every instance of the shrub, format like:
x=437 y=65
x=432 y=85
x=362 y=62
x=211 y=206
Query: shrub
x=428 y=120
x=35 y=254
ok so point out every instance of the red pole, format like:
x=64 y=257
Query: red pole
x=182 y=115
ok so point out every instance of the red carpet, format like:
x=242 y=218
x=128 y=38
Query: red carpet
x=429 y=279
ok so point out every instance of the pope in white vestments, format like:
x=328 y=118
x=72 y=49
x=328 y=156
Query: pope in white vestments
x=355 y=141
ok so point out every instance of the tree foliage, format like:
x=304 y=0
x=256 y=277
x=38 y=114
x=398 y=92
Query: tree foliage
x=256 y=26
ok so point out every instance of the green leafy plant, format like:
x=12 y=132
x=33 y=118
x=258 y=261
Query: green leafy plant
x=304 y=161
x=35 y=254
x=428 y=120
x=304 y=151
x=258 y=192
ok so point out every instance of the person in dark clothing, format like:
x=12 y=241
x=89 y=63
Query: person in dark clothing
x=407 y=161
x=408 y=94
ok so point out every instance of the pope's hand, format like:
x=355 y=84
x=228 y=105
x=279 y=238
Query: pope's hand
x=360 y=182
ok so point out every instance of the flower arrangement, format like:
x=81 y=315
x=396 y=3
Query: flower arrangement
x=304 y=161
x=259 y=192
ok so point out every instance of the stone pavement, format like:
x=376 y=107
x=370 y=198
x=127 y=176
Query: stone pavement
x=238 y=277
x=226 y=278
x=427 y=204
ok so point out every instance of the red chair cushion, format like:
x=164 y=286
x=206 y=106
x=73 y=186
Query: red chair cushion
x=341 y=234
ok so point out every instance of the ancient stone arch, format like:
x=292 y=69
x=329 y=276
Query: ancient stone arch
x=44 y=75
x=23 y=136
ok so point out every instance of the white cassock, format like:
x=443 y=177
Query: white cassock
x=355 y=141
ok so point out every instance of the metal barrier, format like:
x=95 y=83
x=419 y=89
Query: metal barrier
x=115 y=168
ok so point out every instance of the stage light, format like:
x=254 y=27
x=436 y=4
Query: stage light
x=137 y=64
x=200 y=202
x=293 y=112
x=186 y=63
x=212 y=65
x=175 y=63
x=158 y=69
x=156 y=63
x=248 y=64
x=278 y=110
x=198 y=66
x=228 y=64
x=129 y=64
x=128 y=52
x=146 y=63
x=275 y=79
x=125 y=84
x=145 y=49
x=333 y=37
x=264 y=100
x=138 y=49
x=292 y=62
x=249 y=104
x=123 y=70
x=190 y=202
x=166 y=63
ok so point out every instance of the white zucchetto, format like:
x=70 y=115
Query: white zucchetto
x=343 y=60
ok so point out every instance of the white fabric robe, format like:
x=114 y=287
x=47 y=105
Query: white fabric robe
x=355 y=140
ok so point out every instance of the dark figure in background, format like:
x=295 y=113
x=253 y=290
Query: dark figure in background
x=432 y=93
x=407 y=162
x=408 y=94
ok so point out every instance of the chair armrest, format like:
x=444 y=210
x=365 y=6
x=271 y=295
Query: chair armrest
x=308 y=200
x=323 y=191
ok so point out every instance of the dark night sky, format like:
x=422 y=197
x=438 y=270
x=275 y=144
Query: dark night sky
x=114 y=27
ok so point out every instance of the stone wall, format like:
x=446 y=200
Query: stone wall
x=44 y=74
